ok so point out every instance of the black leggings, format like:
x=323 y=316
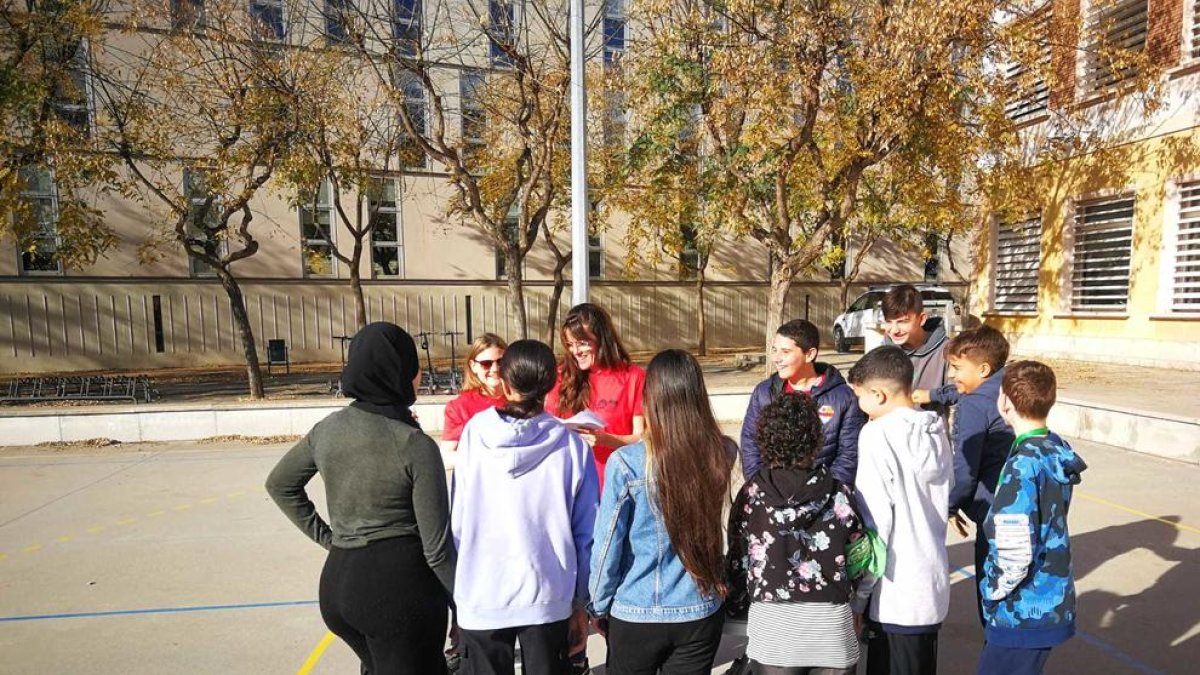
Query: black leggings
x=386 y=603
x=686 y=648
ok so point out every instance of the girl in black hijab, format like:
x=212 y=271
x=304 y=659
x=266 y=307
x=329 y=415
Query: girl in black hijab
x=389 y=577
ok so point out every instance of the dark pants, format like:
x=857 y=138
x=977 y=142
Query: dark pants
x=491 y=652
x=981 y=550
x=686 y=648
x=386 y=603
x=901 y=654
x=1011 y=661
x=757 y=668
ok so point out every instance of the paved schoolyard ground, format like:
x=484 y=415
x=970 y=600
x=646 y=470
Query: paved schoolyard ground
x=171 y=559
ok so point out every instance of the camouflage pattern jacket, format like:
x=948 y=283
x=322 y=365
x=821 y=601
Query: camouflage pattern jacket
x=1028 y=590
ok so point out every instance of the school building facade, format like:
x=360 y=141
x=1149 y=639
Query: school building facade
x=1109 y=269
x=422 y=269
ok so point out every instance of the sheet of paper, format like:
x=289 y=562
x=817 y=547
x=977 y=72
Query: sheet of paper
x=584 y=420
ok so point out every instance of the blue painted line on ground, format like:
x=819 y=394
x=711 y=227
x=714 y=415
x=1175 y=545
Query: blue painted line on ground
x=1097 y=643
x=156 y=610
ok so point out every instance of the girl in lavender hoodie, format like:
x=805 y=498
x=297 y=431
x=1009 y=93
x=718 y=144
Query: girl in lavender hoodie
x=525 y=496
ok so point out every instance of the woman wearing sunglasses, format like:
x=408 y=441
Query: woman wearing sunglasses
x=481 y=390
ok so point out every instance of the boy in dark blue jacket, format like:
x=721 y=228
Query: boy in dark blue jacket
x=980 y=436
x=1027 y=586
x=794 y=355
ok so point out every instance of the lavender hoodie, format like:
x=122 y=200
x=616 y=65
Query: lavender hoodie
x=525 y=497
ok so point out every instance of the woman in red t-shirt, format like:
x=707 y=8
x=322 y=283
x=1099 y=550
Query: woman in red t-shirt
x=481 y=390
x=596 y=374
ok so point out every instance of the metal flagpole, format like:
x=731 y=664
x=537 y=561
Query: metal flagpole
x=579 y=198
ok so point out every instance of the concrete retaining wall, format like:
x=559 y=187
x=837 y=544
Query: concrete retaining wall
x=1165 y=436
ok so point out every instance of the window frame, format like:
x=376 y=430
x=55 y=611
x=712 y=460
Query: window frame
x=196 y=196
x=1184 y=198
x=1080 y=210
x=274 y=34
x=615 y=24
x=1092 y=62
x=314 y=205
x=415 y=100
x=1002 y=244
x=471 y=111
x=396 y=212
x=193 y=20
x=52 y=197
x=496 y=54
x=337 y=22
x=408 y=21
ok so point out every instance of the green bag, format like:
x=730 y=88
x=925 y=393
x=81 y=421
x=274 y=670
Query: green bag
x=866 y=555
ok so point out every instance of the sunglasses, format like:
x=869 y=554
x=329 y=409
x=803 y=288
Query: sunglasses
x=487 y=364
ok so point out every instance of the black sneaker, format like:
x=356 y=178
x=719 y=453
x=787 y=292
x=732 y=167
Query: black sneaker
x=579 y=664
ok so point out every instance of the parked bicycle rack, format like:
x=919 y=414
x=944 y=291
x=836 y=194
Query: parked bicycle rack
x=101 y=388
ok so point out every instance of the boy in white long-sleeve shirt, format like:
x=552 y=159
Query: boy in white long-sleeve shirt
x=905 y=469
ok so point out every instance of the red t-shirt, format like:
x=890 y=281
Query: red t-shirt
x=462 y=409
x=616 y=397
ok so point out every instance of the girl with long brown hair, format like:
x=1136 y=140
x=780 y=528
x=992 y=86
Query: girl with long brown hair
x=657 y=582
x=597 y=374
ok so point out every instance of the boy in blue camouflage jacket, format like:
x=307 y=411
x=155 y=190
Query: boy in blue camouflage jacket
x=1027 y=587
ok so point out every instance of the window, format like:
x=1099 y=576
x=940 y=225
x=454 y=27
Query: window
x=511 y=223
x=1187 y=251
x=595 y=256
x=472 y=113
x=39 y=241
x=71 y=91
x=316 y=233
x=337 y=21
x=202 y=222
x=410 y=152
x=387 y=237
x=1115 y=27
x=614 y=30
x=406 y=26
x=187 y=14
x=1102 y=251
x=1032 y=94
x=1195 y=34
x=933 y=258
x=616 y=118
x=1018 y=259
x=268 y=14
x=690 y=260
x=501 y=32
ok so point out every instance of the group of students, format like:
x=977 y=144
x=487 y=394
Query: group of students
x=836 y=535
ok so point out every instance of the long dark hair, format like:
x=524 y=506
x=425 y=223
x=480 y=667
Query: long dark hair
x=528 y=369
x=587 y=322
x=691 y=464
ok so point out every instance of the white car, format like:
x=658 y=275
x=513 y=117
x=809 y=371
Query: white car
x=850 y=327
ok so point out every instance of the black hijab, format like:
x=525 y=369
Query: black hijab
x=379 y=372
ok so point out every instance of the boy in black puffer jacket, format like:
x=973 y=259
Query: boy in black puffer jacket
x=794 y=355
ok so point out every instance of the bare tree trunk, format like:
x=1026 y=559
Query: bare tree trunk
x=516 y=290
x=845 y=285
x=360 y=305
x=560 y=283
x=241 y=319
x=781 y=283
x=701 y=316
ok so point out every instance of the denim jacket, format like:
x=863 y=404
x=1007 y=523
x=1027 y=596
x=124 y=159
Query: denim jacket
x=636 y=575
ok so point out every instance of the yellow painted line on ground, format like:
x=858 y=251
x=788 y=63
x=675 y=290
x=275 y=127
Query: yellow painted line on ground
x=32 y=549
x=239 y=493
x=65 y=538
x=127 y=521
x=208 y=500
x=316 y=654
x=3 y=556
x=156 y=514
x=181 y=507
x=95 y=529
x=1151 y=516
